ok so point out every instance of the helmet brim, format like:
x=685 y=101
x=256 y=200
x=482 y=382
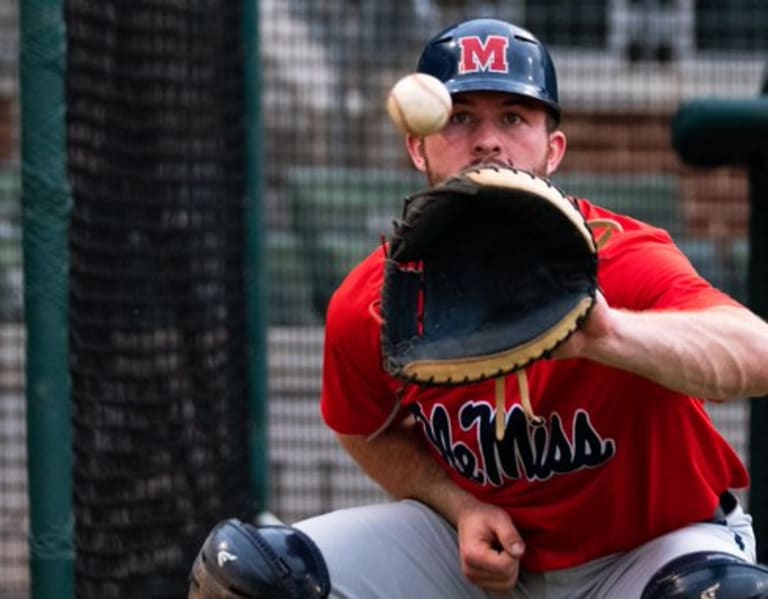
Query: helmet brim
x=491 y=84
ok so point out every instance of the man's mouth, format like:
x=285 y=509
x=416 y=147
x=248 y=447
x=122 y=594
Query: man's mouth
x=481 y=162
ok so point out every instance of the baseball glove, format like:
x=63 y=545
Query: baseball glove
x=486 y=273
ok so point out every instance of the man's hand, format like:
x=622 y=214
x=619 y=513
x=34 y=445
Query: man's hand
x=716 y=353
x=599 y=325
x=490 y=547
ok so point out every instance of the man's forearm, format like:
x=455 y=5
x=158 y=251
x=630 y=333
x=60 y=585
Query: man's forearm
x=399 y=462
x=719 y=354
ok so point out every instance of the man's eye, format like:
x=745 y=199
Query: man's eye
x=459 y=118
x=512 y=118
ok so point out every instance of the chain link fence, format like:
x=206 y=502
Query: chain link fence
x=335 y=171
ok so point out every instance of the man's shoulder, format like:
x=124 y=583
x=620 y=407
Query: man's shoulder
x=631 y=231
x=361 y=288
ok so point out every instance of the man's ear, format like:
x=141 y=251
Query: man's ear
x=556 y=150
x=415 y=146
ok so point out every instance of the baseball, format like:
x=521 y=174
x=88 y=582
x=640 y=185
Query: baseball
x=419 y=104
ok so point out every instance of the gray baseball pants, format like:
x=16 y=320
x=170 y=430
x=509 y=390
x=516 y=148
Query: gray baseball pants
x=404 y=550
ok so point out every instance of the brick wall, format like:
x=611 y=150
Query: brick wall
x=715 y=201
x=9 y=39
x=6 y=130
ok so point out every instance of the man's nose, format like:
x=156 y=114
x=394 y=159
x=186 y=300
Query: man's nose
x=487 y=140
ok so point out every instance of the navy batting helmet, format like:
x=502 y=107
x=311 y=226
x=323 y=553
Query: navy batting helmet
x=708 y=574
x=492 y=55
x=243 y=561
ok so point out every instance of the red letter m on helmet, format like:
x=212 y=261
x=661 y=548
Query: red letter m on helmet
x=489 y=56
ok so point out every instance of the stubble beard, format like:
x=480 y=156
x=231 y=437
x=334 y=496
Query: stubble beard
x=434 y=177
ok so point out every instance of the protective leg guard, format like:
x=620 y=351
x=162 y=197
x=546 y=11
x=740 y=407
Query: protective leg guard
x=243 y=561
x=708 y=575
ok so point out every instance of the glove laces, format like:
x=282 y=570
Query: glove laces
x=525 y=403
x=609 y=228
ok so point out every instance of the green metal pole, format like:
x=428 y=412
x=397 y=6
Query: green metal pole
x=758 y=301
x=46 y=205
x=255 y=232
x=713 y=132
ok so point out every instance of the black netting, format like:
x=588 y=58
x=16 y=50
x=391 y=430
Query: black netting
x=157 y=301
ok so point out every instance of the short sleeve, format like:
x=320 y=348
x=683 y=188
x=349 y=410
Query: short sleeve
x=358 y=396
x=644 y=270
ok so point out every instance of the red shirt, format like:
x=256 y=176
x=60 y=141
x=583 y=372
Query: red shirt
x=619 y=460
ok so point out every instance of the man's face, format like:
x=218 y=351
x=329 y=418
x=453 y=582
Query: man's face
x=489 y=128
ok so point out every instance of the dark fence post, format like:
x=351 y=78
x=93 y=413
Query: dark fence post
x=758 y=299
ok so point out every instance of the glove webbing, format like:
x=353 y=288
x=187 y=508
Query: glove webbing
x=611 y=227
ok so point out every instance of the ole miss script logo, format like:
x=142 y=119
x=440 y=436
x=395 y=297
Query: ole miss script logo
x=470 y=446
x=487 y=56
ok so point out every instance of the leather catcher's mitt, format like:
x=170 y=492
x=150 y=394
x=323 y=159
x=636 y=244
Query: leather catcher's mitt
x=487 y=272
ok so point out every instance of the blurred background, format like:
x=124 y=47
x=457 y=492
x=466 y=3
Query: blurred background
x=334 y=172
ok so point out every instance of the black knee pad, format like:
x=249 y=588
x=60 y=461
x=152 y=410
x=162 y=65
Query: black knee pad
x=708 y=575
x=243 y=561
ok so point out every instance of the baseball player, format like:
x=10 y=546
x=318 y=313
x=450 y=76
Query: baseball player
x=624 y=491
